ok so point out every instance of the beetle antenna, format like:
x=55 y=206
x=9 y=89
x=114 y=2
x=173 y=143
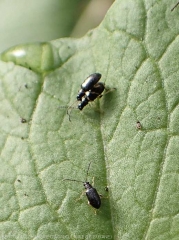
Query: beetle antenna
x=88 y=171
x=69 y=112
x=68 y=107
x=72 y=180
x=174 y=6
x=62 y=107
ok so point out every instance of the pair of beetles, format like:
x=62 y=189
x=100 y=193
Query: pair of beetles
x=91 y=89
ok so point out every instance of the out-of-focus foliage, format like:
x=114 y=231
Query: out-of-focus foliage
x=45 y=20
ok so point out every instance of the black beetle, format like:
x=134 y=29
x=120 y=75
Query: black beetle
x=91 y=193
x=92 y=95
x=90 y=90
x=88 y=84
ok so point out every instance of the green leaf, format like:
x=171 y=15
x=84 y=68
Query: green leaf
x=136 y=51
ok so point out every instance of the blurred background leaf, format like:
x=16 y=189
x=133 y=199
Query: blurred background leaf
x=45 y=20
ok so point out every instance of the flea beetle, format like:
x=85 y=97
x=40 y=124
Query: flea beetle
x=92 y=95
x=88 y=84
x=91 y=193
x=90 y=90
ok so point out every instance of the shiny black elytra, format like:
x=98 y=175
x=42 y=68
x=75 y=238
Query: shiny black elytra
x=91 y=192
x=88 y=84
x=90 y=90
x=91 y=95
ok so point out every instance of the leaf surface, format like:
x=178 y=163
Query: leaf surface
x=136 y=51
